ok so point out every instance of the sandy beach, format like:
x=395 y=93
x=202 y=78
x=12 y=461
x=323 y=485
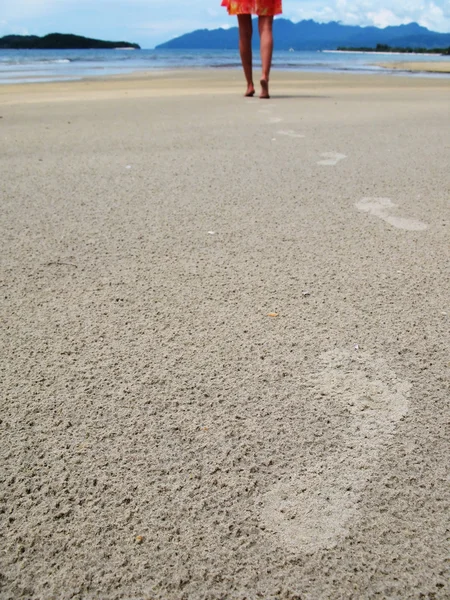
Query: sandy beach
x=225 y=332
x=418 y=66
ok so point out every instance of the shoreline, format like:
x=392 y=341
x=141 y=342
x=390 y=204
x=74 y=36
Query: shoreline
x=439 y=70
x=438 y=67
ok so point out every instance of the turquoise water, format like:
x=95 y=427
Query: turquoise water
x=59 y=65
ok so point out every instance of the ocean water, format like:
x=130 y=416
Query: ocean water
x=59 y=65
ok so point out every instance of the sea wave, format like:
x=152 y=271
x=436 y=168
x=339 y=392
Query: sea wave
x=228 y=65
x=29 y=62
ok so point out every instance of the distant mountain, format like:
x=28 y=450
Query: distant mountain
x=58 y=41
x=309 y=35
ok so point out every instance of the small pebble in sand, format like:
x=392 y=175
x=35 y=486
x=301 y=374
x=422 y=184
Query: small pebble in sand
x=139 y=539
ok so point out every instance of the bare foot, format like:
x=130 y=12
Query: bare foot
x=264 y=89
x=250 y=90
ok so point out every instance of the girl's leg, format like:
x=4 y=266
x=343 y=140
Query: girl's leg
x=266 y=35
x=245 y=48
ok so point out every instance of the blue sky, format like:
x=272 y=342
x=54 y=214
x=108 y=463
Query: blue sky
x=150 y=22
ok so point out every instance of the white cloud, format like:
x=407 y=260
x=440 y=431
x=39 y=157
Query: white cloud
x=434 y=14
x=385 y=17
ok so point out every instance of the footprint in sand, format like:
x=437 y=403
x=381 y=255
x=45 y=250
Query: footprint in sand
x=290 y=133
x=331 y=158
x=382 y=207
x=315 y=509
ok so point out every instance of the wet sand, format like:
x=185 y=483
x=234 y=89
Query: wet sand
x=225 y=332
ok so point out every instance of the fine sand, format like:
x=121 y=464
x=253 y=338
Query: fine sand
x=225 y=332
x=414 y=67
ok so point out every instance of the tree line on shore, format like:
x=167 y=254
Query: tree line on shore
x=401 y=49
x=58 y=41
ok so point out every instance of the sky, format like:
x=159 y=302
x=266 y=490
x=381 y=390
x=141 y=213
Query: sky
x=150 y=22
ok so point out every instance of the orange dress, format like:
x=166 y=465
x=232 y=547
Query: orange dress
x=262 y=8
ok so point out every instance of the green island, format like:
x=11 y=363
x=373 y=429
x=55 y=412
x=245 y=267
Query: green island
x=59 y=41
x=401 y=49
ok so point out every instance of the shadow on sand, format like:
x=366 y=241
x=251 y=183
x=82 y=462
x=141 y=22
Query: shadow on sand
x=298 y=96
